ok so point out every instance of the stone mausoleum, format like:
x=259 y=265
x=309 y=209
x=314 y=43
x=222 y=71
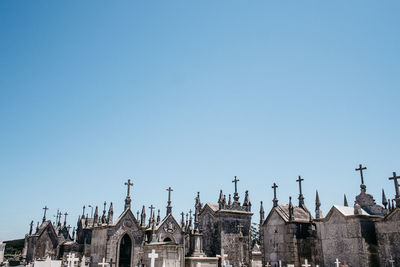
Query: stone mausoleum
x=221 y=234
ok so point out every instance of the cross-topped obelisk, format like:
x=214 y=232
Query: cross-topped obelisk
x=44 y=214
x=169 y=207
x=275 y=200
x=236 y=195
x=301 y=197
x=362 y=186
x=396 y=188
x=128 y=194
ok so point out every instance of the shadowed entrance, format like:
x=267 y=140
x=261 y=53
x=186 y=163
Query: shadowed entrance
x=125 y=249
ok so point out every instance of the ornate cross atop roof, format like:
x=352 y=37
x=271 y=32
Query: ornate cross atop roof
x=236 y=195
x=360 y=169
x=44 y=215
x=275 y=200
x=169 y=207
x=128 y=184
x=396 y=183
x=301 y=197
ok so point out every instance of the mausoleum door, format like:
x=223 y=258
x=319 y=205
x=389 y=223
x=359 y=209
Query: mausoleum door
x=125 y=251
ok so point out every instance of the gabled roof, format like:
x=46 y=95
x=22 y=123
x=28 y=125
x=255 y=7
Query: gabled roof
x=348 y=211
x=165 y=220
x=128 y=213
x=43 y=227
x=300 y=215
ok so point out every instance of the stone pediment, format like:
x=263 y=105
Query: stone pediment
x=169 y=225
x=127 y=220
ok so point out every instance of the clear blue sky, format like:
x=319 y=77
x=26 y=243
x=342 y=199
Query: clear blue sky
x=190 y=93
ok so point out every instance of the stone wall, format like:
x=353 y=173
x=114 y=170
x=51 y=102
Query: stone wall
x=388 y=236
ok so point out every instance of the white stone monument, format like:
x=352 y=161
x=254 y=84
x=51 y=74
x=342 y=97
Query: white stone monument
x=2 y=248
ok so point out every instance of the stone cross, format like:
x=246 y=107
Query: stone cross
x=275 y=200
x=235 y=181
x=111 y=262
x=169 y=208
x=151 y=212
x=396 y=183
x=306 y=264
x=337 y=262
x=44 y=215
x=103 y=263
x=83 y=261
x=71 y=260
x=128 y=184
x=391 y=261
x=301 y=198
x=360 y=169
x=268 y=265
x=153 y=256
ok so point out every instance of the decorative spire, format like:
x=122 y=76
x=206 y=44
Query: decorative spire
x=221 y=199
x=158 y=217
x=389 y=206
x=345 y=203
x=261 y=212
x=198 y=204
x=291 y=210
x=384 y=199
x=393 y=204
x=197 y=210
x=301 y=197
x=73 y=234
x=318 y=213
x=169 y=207
x=83 y=212
x=362 y=186
x=275 y=200
x=143 y=217
x=229 y=201
x=65 y=218
x=151 y=215
x=110 y=214
x=31 y=228
x=246 y=202
x=183 y=220
x=96 y=216
x=187 y=220
x=236 y=195
x=37 y=227
x=103 y=218
x=44 y=214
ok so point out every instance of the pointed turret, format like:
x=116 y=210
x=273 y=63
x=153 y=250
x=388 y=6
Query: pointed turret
x=345 y=203
x=246 y=201
x=143 y=217
x=384 y=199
x=103 y=217
x=230 y=201
x=318 y=213
x=261 y=213
x=96 y=216
x=110 y=214
x=198 y=204
x=65 y=218
x=83 y=212
x=31 y=228
x=183 y=220
x=37 y=227
x=158 y=217
x=291 y=210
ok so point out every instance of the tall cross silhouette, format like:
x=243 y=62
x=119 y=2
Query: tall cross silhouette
x=151 y=212
x=275 y=200
x=235 y=181
x=169 y=207
x=65 y=218
x=128 y=184
x=301 y=197
x=44 y=215
x=360 y=169
x=396 y=184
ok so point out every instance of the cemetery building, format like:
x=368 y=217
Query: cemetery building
x=365 y=234
x=146 y=239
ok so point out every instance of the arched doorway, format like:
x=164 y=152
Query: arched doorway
x=125 y=251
